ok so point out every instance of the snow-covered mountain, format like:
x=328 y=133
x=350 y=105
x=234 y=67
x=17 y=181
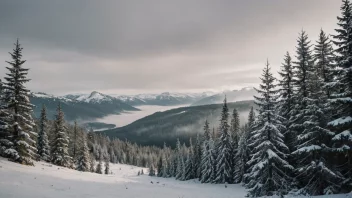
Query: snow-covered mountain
x=245 y=93
x=163 y=99
x=79 y=106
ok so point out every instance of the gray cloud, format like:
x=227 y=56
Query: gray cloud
x=155 y=45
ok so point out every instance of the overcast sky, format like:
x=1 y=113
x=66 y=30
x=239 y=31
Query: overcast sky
x=151 y=46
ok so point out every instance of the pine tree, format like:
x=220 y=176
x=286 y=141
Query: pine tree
x=91 y=163
x=74 y=142
x=159 y=167
x=315 y=173
x=268 y=171
x=107 y=166
x=5 y=135
x=243 y=152
x=302 y=68
x=151 y=171
x=235 y=137
x=207 y=159
x=224 y=156
x=99 y=168
x=84 y=163
x=341 y=123
x=189 y=166
x=43 y=142
x=287 y=99
x=179 y=161
x=165 y=172
x=60 y=155
x=16 y=98
x=197 y=156
x=324 y=58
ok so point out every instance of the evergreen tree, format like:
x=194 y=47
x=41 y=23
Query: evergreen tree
x=243 y=152
x=151 y=171
x=84 y=163
x=5 y=135
x=43 y=142
x=314 y=170
x=189 y=166
x=107 y=166
x=324 y=59
x=287 y=99
x=60 y=155
x=159 y=167
x=235 y=137
x=197 y=156
x=179 y=161
x=74 y=142
x=207 y=160
x=16 y=98
x=269 y=166
x=224 y=156
x=99 y=168
x=303 y=67
x=91 y=164
x=165 y=172
x=341 y=123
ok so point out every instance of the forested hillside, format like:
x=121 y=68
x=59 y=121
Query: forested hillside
x=183 y=123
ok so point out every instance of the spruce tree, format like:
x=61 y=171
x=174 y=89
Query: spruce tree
x=224 y=171
x=207 y=159
x=243 y=152
x=84 y=163
x=189 y=166
x=43 y=142
x=107 y=166
x=60 y=155
x=16 y=99
x=341 y=123
x=269 y=166
x=303 y=67
x=74 y=142
x=197 y=156
x=151 y=171
x=315 y=173
x=91 y=163
x=159 y=167
x=324 y=63
x=99 y=168
x=235 y=137
x=5 y=135
x=287 y=99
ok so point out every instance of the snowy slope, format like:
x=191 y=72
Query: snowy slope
x=45 y=180
x=49 y=181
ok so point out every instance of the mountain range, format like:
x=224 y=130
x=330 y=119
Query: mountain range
x=89 y=107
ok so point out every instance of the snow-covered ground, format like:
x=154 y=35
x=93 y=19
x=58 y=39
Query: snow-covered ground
x=49 y=181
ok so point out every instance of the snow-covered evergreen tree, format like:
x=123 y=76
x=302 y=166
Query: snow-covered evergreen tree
x=341 y=123
x=197 y=156
x=43 y=142
x=324 y=62
x=74 y=141
x=235 y=137
x=84 y=163
x=99 y=168
x=207 y=160
x=303 y=67
x=6 y=141
x=59 y=152
x=151 y=171
x=159 y=167
x=224 y=172
x=91 y=163
x=287 y=99
x=315 y=173
x=107 y=166
x=243 y=152
x=16 y=99
x=189 y=174
x=269 y=166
